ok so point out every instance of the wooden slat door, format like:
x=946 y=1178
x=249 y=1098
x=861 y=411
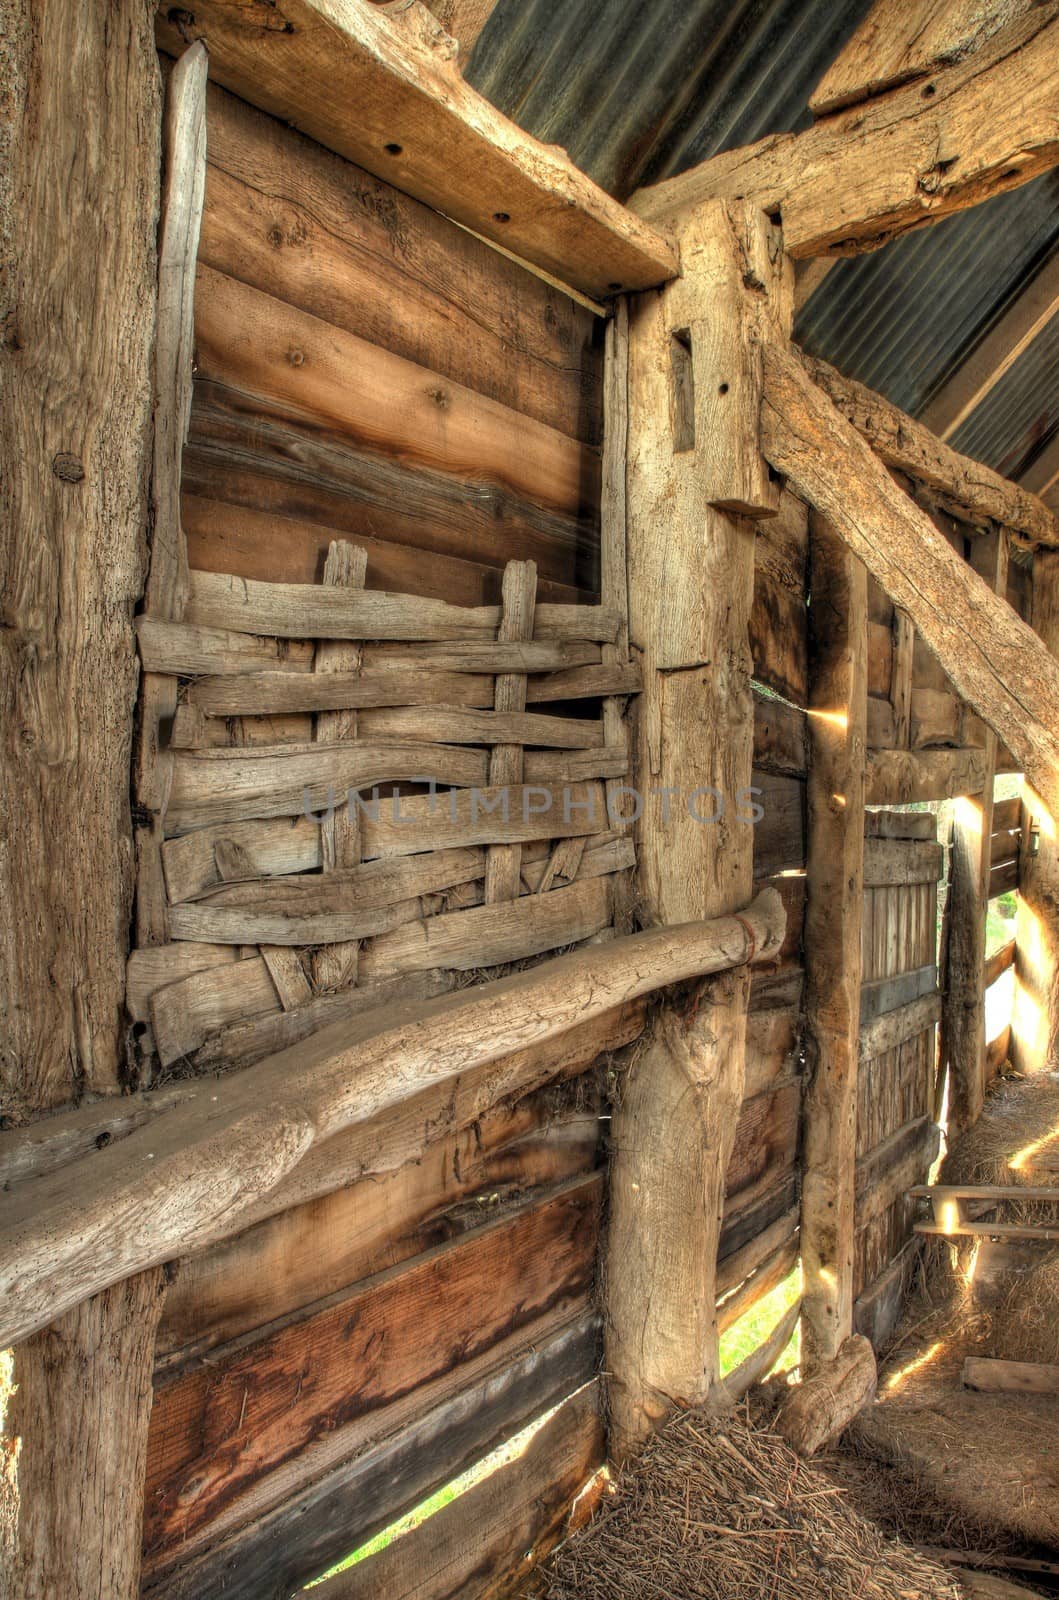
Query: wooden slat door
x=900 y=1005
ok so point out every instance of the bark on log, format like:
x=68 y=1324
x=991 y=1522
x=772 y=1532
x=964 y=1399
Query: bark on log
x=996 y=662
x=80 y=1408
x=78 y=219
x=193 y=1173
x=838 y=619
x=822 y=1407
x=694 y=387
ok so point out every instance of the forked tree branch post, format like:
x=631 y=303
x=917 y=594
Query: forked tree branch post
x=696 y=483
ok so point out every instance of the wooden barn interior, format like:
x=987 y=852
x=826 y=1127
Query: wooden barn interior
x=530 y=785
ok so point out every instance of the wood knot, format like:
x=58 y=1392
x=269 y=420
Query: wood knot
x=67 y=467
x=441 y=398
x=296 y=358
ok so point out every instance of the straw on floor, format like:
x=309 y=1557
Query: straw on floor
x=718 y=1510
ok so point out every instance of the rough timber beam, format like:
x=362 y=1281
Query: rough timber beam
x=382 y=88
x=191 y=1175
x=904 y=39
x=921 y=152
x=997 y=663
x=901 y=442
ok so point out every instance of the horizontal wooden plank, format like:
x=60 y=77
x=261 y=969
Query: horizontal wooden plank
x=491 y=935
x=151 y=967
x=990 y=1375
x=216 y=1429
x=779 y=638
x=1007 y=814
x=893 y=1028
x=779 y=837
x=748 y=1215
x=900 y=825
x=998 y=963
x=899 y=777
x=779 y=736
x=211 y=786
x=426 y=1441
x=185 y=650
x=278 y=693
x=774 y=1269
x=1004 y=878
x=184 y=1014
x=265 y=493
x=383 y=90
x=481 y=727
x=484 y=1544
x=766 y=1138
x=293 y=219
x=886 y=1173
x=878 y=1308
x=937 y=719
x=741 y=1265
x=316 y=611
x=287 y=1262
x=893 y=862
x=263 y=347
x=884 y=995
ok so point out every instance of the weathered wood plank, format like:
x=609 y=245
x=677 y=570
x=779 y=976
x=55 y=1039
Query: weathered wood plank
x=898 y=41
x=309 y=611
x=428 y=1439
x=259 y=346
x=866 y=175
x=902 y=861
x=991 y=1376
x=219 y=1428
x=452 y=303
x=892 y=1028
x=418 y=125
x=235 y=1140
x=899 y=777
x=490 y=1538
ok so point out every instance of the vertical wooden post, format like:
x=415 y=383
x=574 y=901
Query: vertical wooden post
x=696 y=479
x=503 y=862
x=78 y=219
x=838 y=711
x=77 y=1425
x=1035 y=1030
x=963 y=1008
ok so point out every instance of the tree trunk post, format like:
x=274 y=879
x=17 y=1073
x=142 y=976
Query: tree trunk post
x=1035 y=1033
x=838 y=658
x=696 y=482
x=963 y=1014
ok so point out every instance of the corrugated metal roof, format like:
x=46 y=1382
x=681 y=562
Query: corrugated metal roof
x=637 y=90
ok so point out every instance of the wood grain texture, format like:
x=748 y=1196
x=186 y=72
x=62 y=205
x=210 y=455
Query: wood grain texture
x=869 y=174
x=263 y=347
x=899 y=777
x=78 y=220
x=996 y=662
x=907 y=445
x=835 y=887
x=236 y=1139
x=898 y=41
x=506 y=761
x=453 y=149
x=693 y=449
x=216 y=1429
x=372 y=1475
x=80 y=1407
x=294 y=220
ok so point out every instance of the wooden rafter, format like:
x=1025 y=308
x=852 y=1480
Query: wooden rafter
x=995 y=355
x=900 y=40
x=997 y=663
x=866 y=175
x=966 y=486
x=382 y=88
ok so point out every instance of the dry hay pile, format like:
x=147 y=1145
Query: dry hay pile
x=1018 y=1128
x=716 y=1510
